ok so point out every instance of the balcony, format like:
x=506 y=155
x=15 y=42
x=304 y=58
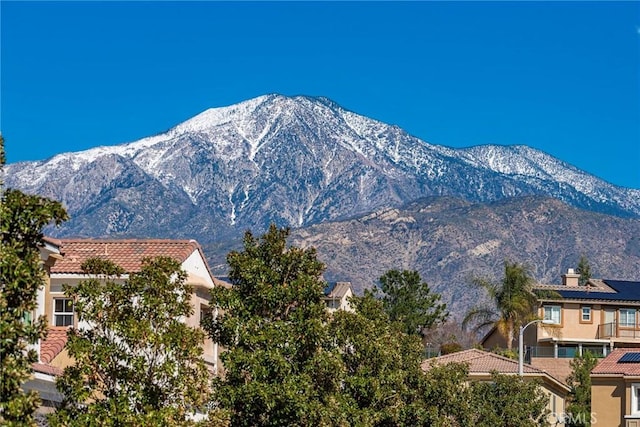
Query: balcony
x=614 y=330
x=563 y=352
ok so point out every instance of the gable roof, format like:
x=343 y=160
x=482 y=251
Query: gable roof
x=128 y=254
x=337 y=289
x=483 y=363
x=611 y=364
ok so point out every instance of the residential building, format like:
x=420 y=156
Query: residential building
x=63 y=260
x=599 y=316
x=615 y=389
x=337 y=295
x=482 y=364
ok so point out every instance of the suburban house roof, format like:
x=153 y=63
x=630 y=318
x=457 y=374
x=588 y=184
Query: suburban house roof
x=128 y=254
x=53 y=344
x=611 y=365
x=483 y=363
x=337 y=289
x=603 y=290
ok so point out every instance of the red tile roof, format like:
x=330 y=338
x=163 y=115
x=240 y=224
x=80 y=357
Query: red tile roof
x=46 y=369
x=482 y=362
x=128 y=254
x=53 y=344
x=610 y=365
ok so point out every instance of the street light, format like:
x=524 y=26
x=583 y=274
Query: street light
x=521 y=345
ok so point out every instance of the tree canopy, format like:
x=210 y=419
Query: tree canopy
x=409 y=300
x=22 y=219
x=136 y=361
x=579 y=402
x=277 y=367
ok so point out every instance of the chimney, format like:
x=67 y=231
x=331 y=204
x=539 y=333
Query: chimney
x=571 y=278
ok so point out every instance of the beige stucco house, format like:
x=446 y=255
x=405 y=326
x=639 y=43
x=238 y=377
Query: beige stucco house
x=615 y=389
x=482 y=364
x=63 y=259
x=337 y=295
x=599 y=317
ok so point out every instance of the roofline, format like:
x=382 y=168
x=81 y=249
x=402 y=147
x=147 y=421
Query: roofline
x=592 y=301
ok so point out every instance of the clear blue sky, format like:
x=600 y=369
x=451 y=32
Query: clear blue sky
x=561 y=77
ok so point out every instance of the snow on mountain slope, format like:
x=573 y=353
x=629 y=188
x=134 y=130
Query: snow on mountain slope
x=293 y=161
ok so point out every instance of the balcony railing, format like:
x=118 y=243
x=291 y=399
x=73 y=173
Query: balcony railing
x=614 y=330
x=563 y=352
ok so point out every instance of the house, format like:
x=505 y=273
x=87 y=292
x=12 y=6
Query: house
x=336 y=296
x=482 y=364
x=599 y=316
x=615 y=389
x=63 y=262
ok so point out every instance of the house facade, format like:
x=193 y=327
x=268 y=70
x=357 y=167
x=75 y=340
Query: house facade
x=615 y=389
x=337 y=295
x=63 y=259
x=599 y=316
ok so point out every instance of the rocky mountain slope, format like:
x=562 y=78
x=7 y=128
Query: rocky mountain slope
x=293 y=161
x=310 y=164
x=450 y=241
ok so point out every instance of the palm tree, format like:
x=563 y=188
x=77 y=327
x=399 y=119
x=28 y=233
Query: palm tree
x=514 y=302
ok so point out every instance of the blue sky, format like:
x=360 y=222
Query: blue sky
x=560 y=77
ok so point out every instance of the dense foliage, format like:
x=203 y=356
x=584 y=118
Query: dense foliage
x=136 y=361
x=278 y=369
x=22 y=219
x=579 y=402
x=290 y=363
x=409 y=301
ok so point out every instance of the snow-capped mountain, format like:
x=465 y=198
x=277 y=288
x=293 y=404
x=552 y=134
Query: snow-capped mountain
x=290 y=160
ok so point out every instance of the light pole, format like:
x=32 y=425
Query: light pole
x=521 y=344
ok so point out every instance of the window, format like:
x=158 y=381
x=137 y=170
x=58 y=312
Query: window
x=27 y=318
x=552 y=312
x=585 y=314
x=628 y=317
x=635 y=399
x=62 y=312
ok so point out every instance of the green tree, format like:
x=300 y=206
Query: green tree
x=584 y=269
x=409 y=301
x=508 y=401
x=513 y=299
x=136 y=361
x=279 y=367
x=22 y=219
x=580 y=383
x=382 y=383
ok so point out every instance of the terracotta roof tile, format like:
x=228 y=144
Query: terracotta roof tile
x=610 y=365
x=53 y=344
x=558 y=368
x=482 y=362
x=128 y=254
x=46 y=369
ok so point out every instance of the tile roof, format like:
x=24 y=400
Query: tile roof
x=610 y=365
x=53 y=344
x=557 y=368
x=46 y=369
x=128 y=254
x=481 y=362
